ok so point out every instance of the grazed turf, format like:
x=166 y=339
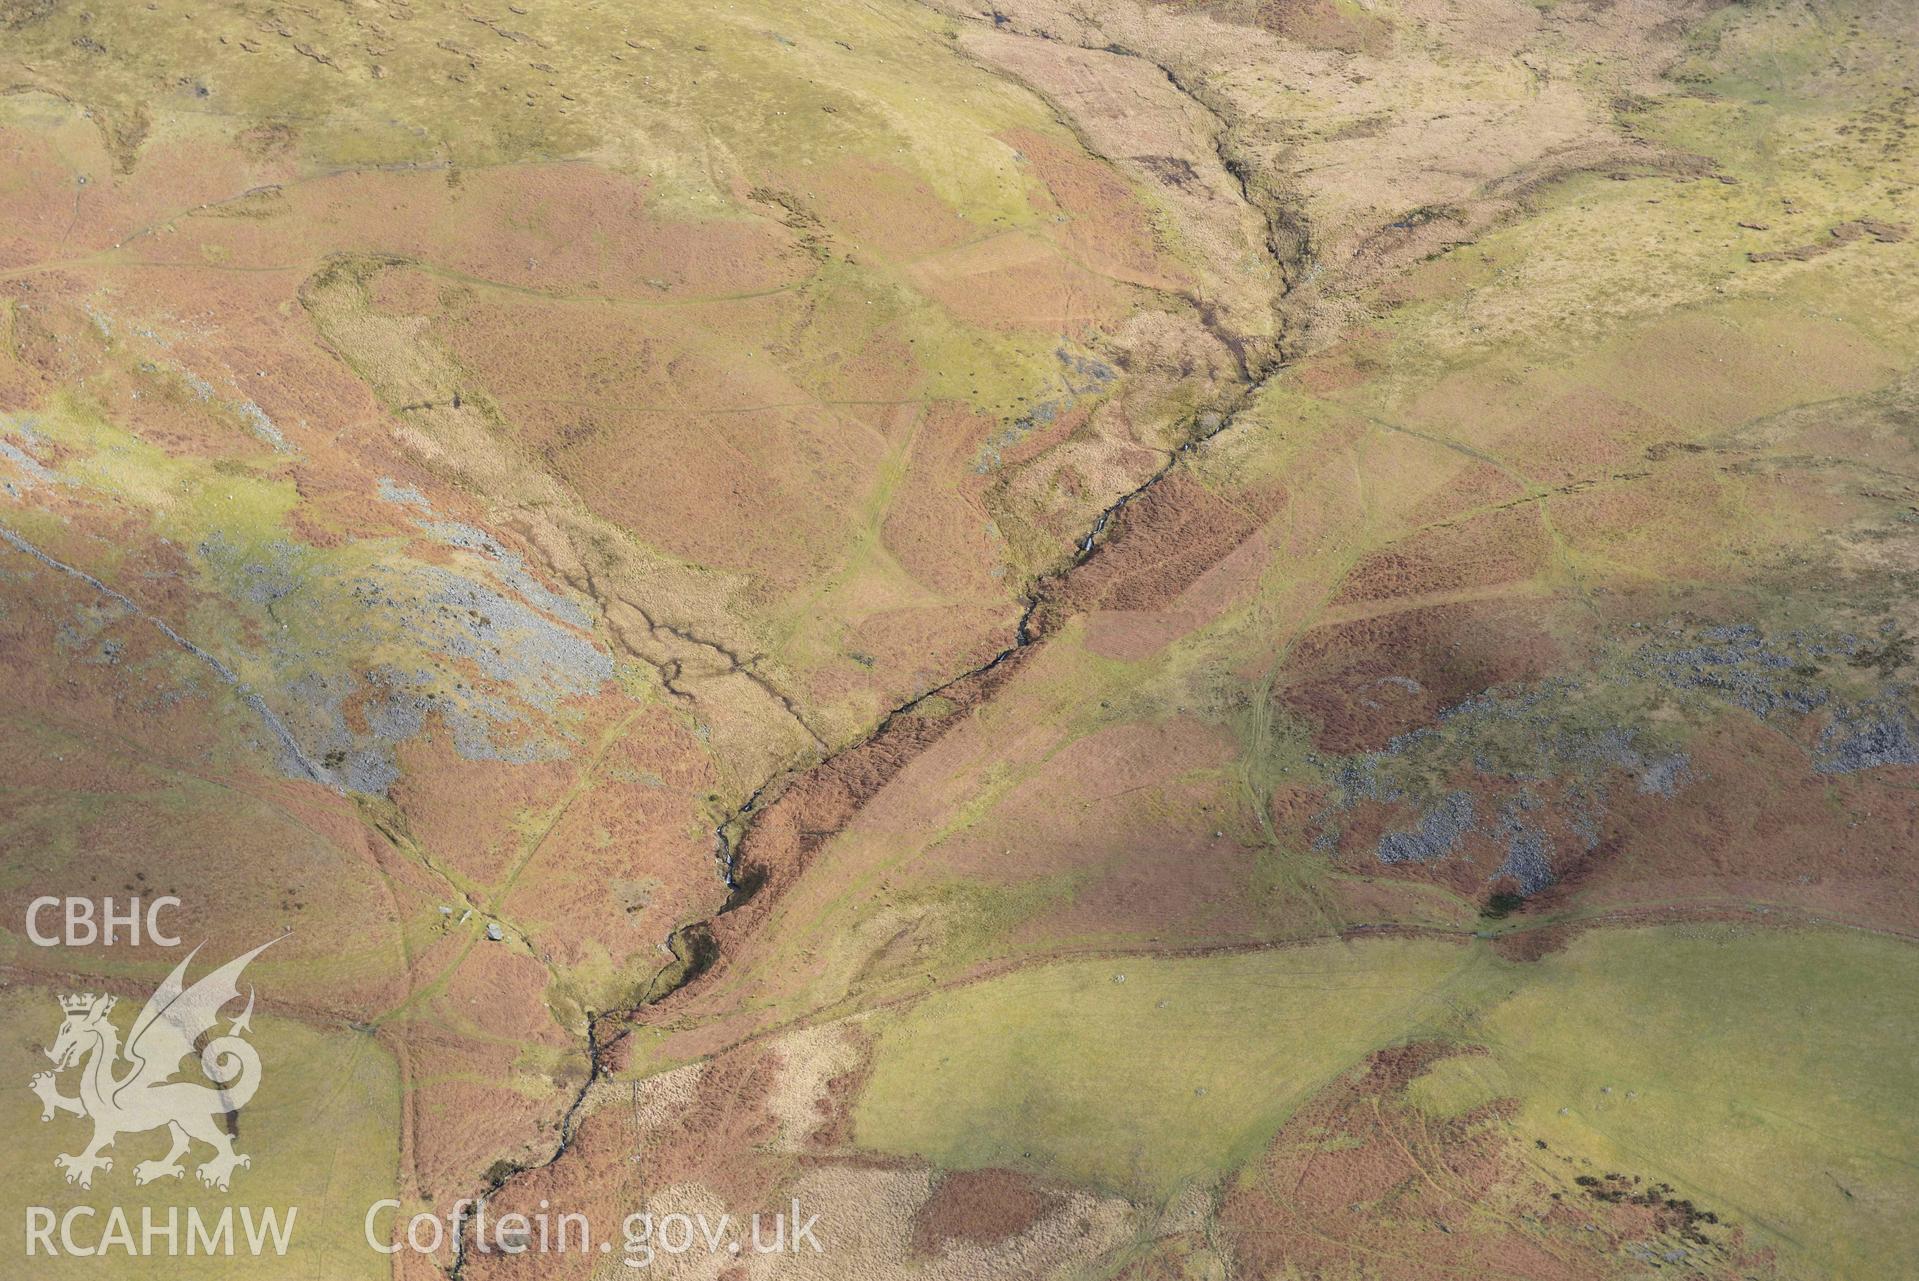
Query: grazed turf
x=1768 y=1073
x=1137 y=1074
x=1764 y=1075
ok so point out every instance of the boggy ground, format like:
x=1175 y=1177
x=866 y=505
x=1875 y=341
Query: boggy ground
x=701 y=495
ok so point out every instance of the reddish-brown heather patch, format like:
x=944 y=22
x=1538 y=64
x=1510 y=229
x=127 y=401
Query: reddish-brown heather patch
x=1107 y=222
x=1321 y=24
x=1755 y=823
x=1585 y=434
x=1021 y=281
x=463 y=1054
x=1345 y=679
x=725 y=1136
x=596 y=1178
x=980 y=1207
x=1333 y=370
x=1484 y=551
x=465 y=810
x=842 y=1092
x=879 y=208
x=937 y=522
x=624 y=861
x=1472 y=488
x=1133 y=814
x=1536 y=944
x=788 y=830
x=1160 y=544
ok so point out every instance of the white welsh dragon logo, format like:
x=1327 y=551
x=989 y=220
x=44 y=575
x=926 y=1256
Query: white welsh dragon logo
x=140 y=1095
